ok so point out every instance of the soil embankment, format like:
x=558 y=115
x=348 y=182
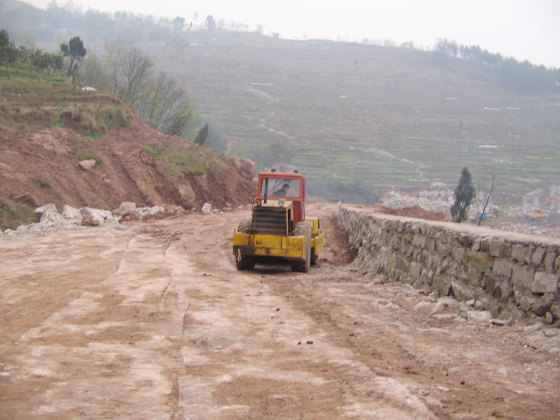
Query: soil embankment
x=137 y=164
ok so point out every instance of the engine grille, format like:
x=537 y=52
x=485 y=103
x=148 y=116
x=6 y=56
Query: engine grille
x=270 y=220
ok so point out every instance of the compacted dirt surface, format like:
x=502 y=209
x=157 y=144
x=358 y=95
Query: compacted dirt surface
x=151 y=320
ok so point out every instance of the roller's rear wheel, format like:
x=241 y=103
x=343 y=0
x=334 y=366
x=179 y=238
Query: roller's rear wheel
x=301 y=229
x=243 y=262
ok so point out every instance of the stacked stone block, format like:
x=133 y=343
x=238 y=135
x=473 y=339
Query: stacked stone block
x=509 y=274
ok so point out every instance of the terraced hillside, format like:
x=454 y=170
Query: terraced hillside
x=359 y=118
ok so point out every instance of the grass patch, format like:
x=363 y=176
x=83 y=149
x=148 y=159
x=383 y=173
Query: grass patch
x=13 y=214
x=182 y=160
x=58 y=123
x=116 y=118
x=89 y=156
x=41 y=183
x=83 y=151
x=155 y=150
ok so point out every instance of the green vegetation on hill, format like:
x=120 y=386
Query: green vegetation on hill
x=187 y=159
x=518 y=77
x=31 y=101
x=35 y=92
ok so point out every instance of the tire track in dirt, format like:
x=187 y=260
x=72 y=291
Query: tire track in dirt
x=111 y=344
x=270 y=347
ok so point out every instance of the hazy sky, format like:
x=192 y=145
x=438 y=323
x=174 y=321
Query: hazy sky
x=524 y=29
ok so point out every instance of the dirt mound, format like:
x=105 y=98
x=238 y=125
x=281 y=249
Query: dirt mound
x=43 y=167
x=415 y=211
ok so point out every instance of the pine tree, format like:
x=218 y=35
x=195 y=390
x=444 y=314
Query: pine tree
x=75 y=50
x=202 y=135
x=464 y=193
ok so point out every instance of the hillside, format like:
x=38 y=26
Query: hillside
x=48 y=128
x=357 y=119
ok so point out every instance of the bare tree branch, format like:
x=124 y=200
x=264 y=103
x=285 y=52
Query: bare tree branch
x=487 y=200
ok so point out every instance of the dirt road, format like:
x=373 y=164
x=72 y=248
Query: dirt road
x=151 y=320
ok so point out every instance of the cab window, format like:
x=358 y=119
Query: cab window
x=280 y=187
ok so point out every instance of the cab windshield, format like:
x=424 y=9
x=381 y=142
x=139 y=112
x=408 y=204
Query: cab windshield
x=280 y=187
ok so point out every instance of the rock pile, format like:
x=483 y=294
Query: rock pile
x=50 y=220
x=436 y=201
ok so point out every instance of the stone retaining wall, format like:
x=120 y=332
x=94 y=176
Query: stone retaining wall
x=511 y=275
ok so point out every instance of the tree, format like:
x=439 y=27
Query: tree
x=178 y=24
x=75 y=50
x=464 y=194
x=47 y=61
x=195 y=18
x=93 y=73
x=8 y=53
x=27 y=50
x=216 y=140
x=202 y=135
x=113 y=55
x=4 y=38
x=130 y=72
x=165 y=104
x=210 y=23
x=135 y=68
x=181 y=120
